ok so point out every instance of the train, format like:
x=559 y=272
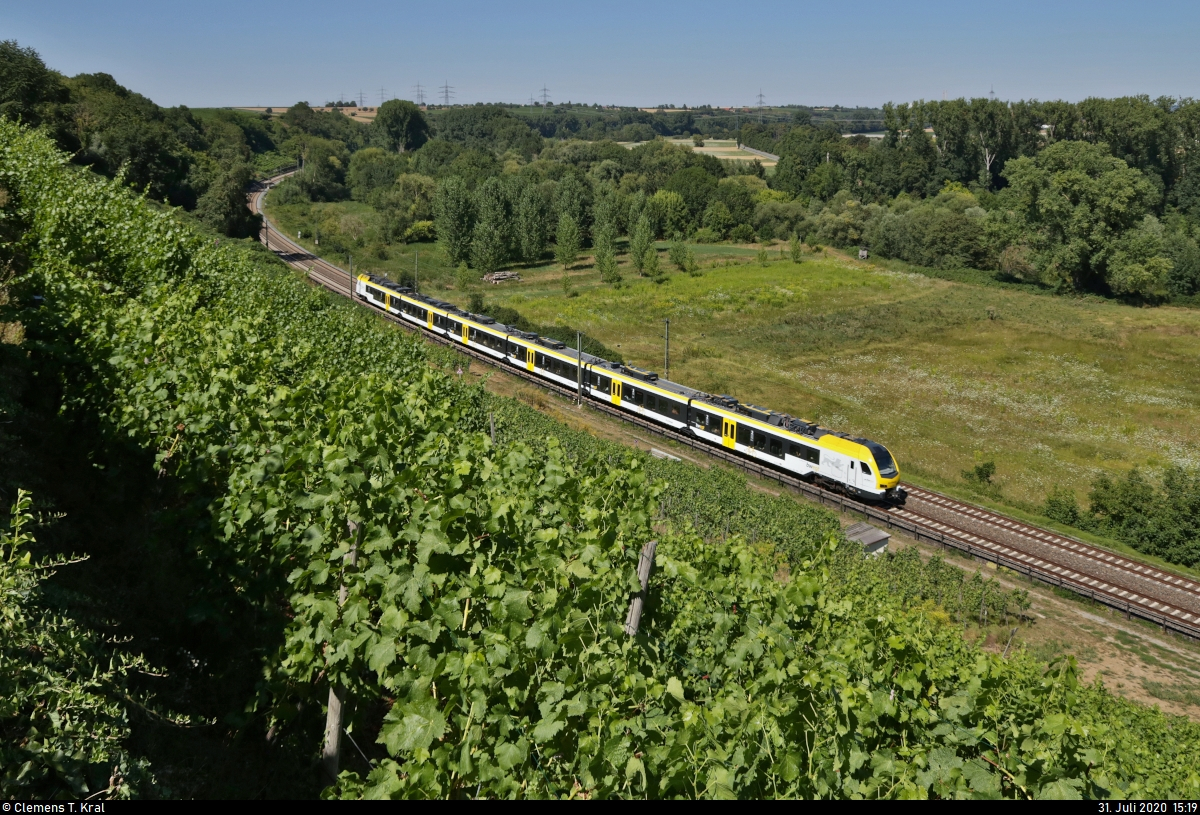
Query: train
x=855 y=466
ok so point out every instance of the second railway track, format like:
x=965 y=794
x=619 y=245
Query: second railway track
x=1169 y=600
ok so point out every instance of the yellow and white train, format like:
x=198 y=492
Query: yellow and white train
x=856 y=466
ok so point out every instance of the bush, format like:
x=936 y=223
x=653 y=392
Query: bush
x=706 y=235
x=742 y=233
x=419 y=232
x=677 y=253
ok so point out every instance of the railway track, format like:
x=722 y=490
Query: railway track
x=1169 y=600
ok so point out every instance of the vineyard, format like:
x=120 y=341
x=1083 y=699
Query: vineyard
x=466 y=597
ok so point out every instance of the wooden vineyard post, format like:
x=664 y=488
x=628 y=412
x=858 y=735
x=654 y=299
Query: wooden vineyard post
x=331 y=753
x=645 y=563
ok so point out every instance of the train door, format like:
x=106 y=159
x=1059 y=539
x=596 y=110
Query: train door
x=529 y=358
x=466 y=334
x=728 y=432
x=616 y=392
x=429 y=319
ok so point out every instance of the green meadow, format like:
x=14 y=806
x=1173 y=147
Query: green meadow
x=947 y=374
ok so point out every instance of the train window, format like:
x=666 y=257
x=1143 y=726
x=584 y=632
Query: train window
x=759 y=439
x=675 y=406
x=776 y=447
x=808 y=454
x=604 y=384
x=865 y=468
x=743 y=434
x=714 y=424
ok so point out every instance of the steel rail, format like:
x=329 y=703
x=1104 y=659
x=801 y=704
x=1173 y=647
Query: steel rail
x=1125 y=592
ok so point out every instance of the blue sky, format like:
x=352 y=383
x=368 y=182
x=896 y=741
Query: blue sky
x=631 y=53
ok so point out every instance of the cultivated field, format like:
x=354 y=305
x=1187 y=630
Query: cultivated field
x=721 y=148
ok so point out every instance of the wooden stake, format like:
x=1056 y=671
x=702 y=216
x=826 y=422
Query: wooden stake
x=645 y=563
x=331 y=753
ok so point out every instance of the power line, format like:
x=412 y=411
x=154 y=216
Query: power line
x=760 y=105
x=362 y=100
x=447 y=93
x=545 y=95
x=382 y=93
x=420 y=93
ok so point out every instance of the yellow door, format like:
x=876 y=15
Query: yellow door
x=428 y=319
x=466 y=333
x=529 y=352
x=616 y=392
x=728 y=432
x=387 y=302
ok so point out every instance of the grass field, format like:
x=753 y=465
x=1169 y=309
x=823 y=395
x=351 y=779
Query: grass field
x=947 y=374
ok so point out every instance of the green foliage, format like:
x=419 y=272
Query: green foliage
x=606 y=259
x=742 y=233
x=464 y=278
x=64 y=697
x=399 y=125
x=490 y=238
x=373 y=170
x=651 y=267
x=640 y=243
x=763 y=256
x=454 y=218
x=531 y=224
x=1062 y=506
x=795 y=248
x=981 y=473
x=677 y=253
x=689 y=263
x=567 y=242
x=1086 y=211
x=1161 y=519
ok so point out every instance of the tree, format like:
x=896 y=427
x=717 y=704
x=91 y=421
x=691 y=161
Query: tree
x=566 y=242
x=531 y=224
x=399 y=125
x=689 y=263
x=490 y=239
x=372 y=169
x=464 y=278
x=606 y=259
x=650 y=266
x=25 y=83
x=696 y=187
x=223 y=206
x=992 y=129
x=640 y=242
x=718 y=219
x=572 y=200
x=669 y=212
x=1085 y=213
x=677 y=252
x=454 y=218
x=796 y=247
